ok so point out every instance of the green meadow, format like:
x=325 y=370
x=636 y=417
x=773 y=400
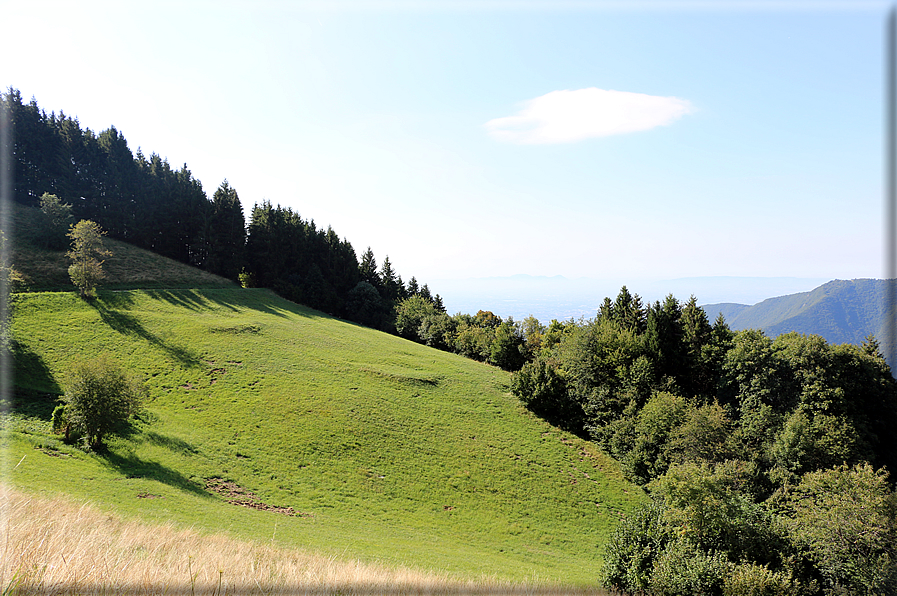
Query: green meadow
x=385 y=450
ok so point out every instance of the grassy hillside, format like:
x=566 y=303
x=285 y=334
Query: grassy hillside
x=128 y=267
x=385 y=450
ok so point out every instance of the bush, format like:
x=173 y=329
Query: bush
x=57 y=218
x=846 y=518
x=748 y=579
x=99 y=398
x=684 y=570
x=60 y=420
x=542 y=390
x=634 y=548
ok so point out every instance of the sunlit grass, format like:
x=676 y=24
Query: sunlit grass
x=388 y=451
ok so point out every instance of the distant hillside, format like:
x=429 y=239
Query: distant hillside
x=841 y=311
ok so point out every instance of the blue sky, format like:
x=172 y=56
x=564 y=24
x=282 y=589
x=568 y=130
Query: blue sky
x=645 y=141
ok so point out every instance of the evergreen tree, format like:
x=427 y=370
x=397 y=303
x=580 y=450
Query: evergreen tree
x=628 y=312
x=663 y=337
x=122 y=214
x=226 y=230
x=368 y=268
x=413 y=289
x=391 y=287
x=698 y=377
x=425 y=293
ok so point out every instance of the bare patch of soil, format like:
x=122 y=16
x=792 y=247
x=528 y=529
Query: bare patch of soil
x=52 y=452
x=236 y=495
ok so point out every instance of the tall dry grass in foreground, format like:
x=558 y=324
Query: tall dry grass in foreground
x=54 y=546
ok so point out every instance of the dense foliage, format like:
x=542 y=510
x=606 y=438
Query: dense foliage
x=766 y=458
x=99 y=398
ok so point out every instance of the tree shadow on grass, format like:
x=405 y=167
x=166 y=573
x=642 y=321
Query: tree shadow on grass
x=35 y=391
x=189 y=299
x=110 y=308
x=174 y=444
x=256 y=299
x=30 y=403
x=31 y=372
x=131 y=466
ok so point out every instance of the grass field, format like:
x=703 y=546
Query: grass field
x=54 y=546
x=387 y=452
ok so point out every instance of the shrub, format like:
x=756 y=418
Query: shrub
x=634 y=548
x=57 y=217
x=684 y=570
x=60 y=420
x=100 y=397
x=749 y=579
x=541 y=389
x=846 y=518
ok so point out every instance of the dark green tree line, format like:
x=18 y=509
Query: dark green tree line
x=140 y=200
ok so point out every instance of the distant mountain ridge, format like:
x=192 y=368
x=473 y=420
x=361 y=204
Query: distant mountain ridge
x=563 y=298
x=841 y=311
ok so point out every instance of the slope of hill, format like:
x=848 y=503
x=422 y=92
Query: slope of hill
x=127 y=267
x=841 y=311
x=381 y=449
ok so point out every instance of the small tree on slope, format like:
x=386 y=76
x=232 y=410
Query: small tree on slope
x=87 y=249
x=99 y=398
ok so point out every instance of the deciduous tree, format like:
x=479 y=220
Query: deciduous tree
x=99 y=397
x=847 y=518
x=87 y=250
x=57 y=218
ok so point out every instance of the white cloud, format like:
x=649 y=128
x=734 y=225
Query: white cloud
x=567 y=116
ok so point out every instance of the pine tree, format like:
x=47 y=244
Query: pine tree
x=391 y=288
x=226 y=233
x=368 y=268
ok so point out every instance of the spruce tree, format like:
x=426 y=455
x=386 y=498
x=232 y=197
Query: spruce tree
x=227 y=233
x=368 y=268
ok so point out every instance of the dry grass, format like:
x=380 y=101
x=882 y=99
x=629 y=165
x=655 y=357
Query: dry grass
x=59 y=547
x=127 y=267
